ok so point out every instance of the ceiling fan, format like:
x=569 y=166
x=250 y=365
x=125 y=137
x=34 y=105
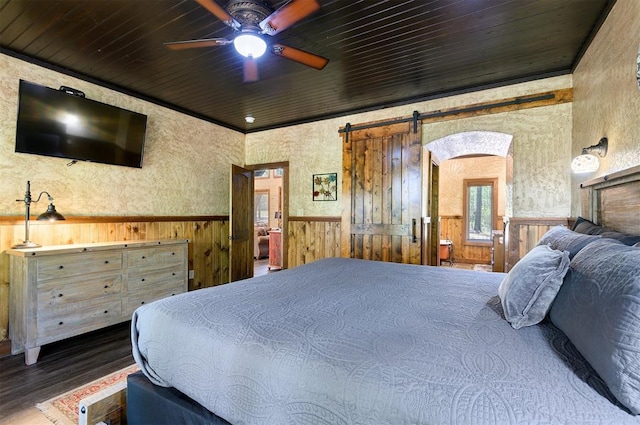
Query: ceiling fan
x=250 y=20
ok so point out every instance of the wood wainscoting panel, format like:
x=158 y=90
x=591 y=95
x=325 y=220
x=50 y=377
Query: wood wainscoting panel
x=208 y=254
x=452 y=228
x=312 y=238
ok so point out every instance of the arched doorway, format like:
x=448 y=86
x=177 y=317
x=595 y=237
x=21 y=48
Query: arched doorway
x=468 y=163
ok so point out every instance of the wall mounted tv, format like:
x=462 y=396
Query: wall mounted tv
x=55 y=123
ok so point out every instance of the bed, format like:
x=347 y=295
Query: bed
x=345 y=341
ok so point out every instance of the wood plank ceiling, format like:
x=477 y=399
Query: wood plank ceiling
x=381 y=52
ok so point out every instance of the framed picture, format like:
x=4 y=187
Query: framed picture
x=261 y=174
x=325 y=187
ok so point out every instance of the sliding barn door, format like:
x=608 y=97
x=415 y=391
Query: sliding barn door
x=381 y=189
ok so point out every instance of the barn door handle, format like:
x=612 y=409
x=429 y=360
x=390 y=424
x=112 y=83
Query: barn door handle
x=413 y=230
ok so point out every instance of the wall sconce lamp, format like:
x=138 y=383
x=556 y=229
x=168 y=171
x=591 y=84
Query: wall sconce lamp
x=588 y=162
x=51 y=215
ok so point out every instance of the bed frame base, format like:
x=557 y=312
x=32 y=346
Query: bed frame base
x=150 y=404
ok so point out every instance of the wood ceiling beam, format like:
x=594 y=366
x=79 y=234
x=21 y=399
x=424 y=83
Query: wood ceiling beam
x=537 y=100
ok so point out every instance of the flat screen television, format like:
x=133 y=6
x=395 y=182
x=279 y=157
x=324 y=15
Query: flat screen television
x=55 y=123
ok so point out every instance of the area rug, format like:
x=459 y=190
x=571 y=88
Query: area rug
x=63 y=409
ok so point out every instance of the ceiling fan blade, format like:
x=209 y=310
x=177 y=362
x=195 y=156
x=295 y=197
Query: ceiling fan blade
x=300 y=56
x=288 y=15
x=219 y=13
x=250 y=70
x=191 y=44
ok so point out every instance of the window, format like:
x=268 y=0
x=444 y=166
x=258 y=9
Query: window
x=261 y=207
x=480 y=204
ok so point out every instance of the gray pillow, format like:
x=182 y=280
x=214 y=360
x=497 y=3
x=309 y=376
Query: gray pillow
x=530 y=287
x=563 y=239
x=589 y=228
x=598 y=308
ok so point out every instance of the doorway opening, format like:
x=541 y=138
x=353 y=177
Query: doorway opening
x=268 y=217
x=474 y=198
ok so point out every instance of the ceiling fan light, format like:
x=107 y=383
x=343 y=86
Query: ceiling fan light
x=250 y=45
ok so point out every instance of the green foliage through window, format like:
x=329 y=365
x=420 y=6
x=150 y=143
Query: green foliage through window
x=479 y=211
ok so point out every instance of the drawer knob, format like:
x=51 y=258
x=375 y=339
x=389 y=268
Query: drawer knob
x=143 y=257
x=142 y=279
x=106 y=311
x=173 y=274
x=59 y=295
x=106 y=286
x=106 y=261
x=61 y=267
x=60 y=323
x=142 y=302
x=173 y=253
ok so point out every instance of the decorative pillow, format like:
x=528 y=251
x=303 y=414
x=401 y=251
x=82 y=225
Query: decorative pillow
x=530 y=287
x=598 y=308
x=563 y=239
x=587 y=227
x=582 y=225
x=625 y=238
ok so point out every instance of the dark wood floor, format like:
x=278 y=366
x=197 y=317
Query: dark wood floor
x=62 y=366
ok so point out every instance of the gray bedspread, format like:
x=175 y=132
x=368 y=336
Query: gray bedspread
x=342 y=341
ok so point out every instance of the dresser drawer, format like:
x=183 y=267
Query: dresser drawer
x=58 y=292
x=161 y=256
x=139 y=298
x=73 y=319
x=62 y=266
x=144 y=278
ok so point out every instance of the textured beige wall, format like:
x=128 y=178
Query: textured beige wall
x=542 y=141
x=185 y=167
x=541 y=156
x=452 y=175
x=606 y=95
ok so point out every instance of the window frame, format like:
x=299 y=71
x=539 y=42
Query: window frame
x=467 y=183
x=256 y=194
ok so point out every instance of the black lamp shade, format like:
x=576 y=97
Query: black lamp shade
x=51 y=214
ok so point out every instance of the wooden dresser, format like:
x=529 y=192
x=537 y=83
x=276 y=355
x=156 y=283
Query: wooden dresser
x=66 y=290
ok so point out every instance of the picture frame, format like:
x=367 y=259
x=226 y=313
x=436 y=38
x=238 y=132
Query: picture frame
x=325 y=187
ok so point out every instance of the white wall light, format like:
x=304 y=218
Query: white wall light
x=588 y=162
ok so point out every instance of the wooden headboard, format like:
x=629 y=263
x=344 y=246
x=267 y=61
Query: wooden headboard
x=614 y=200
